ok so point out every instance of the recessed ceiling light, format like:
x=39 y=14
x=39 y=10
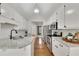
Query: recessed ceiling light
x=70 y=11
x=36 y=10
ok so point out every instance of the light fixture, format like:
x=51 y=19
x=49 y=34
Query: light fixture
x=56 y=17
x=70 y=11
x=36 y=10
x=56 y=21
x=64 y=17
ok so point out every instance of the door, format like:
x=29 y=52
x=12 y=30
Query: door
x=39 y=30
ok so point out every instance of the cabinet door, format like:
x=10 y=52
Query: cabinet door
x=55 y=48
x=63 y=49
x=59 y=48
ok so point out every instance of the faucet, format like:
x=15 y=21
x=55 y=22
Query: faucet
x=11 y=33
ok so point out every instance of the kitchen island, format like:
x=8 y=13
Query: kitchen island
x=63 y=48
x=17 y=47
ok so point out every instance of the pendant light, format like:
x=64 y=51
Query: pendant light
x=0 y=8
x=56 y=21
x=56 y=16
x=36 y=9
x=64 y=16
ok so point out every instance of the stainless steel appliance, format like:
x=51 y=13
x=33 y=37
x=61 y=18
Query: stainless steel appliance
x=54 y=25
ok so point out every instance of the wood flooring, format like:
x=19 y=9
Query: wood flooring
x=40 y=48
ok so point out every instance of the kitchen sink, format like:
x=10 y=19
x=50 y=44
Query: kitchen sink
x=17 y=37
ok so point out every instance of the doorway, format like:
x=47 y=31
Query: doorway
x=39 y=30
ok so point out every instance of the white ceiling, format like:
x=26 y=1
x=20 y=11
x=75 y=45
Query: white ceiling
x=27 y=9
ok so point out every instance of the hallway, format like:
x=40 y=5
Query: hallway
x=40 y=48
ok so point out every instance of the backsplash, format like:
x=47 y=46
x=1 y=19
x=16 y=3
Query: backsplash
x=6 y=29
x=65 y=32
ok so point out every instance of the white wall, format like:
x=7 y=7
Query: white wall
x=72 y=19
x=31 y=28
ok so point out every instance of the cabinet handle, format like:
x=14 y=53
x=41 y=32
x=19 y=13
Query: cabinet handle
x=60 y=45
x=56 y=46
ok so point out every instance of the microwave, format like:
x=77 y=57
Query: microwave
x=54 y=26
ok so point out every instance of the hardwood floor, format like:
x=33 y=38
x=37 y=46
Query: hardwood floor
x=40 y=48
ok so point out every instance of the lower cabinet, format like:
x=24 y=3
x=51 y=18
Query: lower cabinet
x=59 y=48
x=64 y=49
x=55 y=47
x=25 y=51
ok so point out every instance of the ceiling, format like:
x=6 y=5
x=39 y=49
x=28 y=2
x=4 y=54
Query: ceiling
x=27 y=9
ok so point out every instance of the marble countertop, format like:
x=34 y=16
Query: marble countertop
x=17 y=43
x=60 y=39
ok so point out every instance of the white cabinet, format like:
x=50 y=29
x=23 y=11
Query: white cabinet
x=63 y=49
x=25 y=51
x=59 y=48
x=55 y=48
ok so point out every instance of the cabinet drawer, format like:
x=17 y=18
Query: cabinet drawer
x=59 y=49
